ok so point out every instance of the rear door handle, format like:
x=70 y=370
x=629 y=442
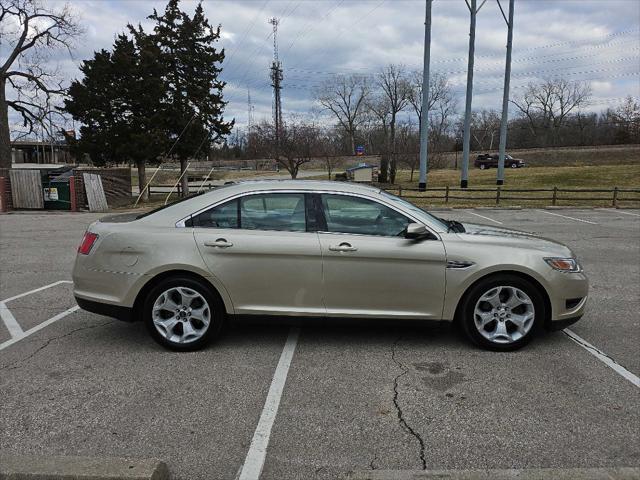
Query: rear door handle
x=220 y=243
x=343 y=247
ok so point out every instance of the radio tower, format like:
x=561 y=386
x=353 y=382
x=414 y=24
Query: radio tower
x=276 y=79
x=249 y=111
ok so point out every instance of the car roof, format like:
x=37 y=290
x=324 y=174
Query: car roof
x=185 y=207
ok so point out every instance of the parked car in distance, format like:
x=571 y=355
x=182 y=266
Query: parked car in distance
x=487 y=160
x=322 y=249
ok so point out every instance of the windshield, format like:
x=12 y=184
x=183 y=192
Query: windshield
x=420 y=213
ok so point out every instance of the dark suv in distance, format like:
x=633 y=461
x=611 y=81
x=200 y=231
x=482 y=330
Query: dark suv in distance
x=486 y=160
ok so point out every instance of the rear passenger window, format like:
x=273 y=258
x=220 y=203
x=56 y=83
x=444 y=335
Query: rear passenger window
x=270 y=211
x=222 y=216
x=273 y=211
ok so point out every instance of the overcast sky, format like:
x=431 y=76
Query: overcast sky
x=596 y=41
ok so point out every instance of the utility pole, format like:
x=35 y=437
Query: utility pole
x=505 y=93
x=466 y=139
x=249 y=111
x=276 y=79
x=424 y=115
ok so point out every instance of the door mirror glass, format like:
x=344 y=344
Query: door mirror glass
x=417 y=231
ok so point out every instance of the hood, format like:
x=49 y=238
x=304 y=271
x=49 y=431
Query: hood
x=513 y=238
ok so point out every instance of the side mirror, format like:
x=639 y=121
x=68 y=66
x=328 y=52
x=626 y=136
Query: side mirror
x=417 y=231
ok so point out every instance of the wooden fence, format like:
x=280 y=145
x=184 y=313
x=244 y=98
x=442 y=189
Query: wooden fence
x=613 y=196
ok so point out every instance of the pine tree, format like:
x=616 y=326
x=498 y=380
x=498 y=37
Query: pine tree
x=193 y=112
x=118 y=103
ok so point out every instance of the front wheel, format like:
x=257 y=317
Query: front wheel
x=502 y=313
x=183 y=314
x=514 y=165
x=482 y=166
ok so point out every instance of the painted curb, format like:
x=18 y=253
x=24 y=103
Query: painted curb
x=37 y=467
x=624 y=473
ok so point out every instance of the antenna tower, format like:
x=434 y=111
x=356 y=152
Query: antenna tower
x=276 y=79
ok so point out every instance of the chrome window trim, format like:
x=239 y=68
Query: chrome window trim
x=181 y=223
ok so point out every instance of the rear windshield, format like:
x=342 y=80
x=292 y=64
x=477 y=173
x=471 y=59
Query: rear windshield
x=162 y=207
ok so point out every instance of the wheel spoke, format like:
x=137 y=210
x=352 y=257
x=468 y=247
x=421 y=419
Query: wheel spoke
x=515 y=300
x=201 y=314
x=188 y=295
x=166 y=303
x=485 y=318
x=188 y=331
x=521 y=321
x=500 y=333
x=492 y=297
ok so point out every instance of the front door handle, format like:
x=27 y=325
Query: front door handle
x=343 y=247
x=220 y=243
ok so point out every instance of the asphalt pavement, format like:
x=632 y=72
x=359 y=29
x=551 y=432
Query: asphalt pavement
x=357 y=396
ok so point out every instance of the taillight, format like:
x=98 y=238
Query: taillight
x=87 y=243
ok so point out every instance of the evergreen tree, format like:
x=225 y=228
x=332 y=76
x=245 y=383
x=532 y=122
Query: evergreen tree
x=193 y=112
x=119 y=104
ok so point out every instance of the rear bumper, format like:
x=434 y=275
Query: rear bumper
x=114 y=311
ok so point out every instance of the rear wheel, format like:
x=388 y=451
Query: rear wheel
x=183 y=314
x=502 y=312
x=514 y=165
x=482 y=166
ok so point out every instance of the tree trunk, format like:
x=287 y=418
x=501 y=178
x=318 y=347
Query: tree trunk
x=353 y=141
x=329 y=167
x=392 y=163
x=5 y=135
x=184 y=182
x=142 y=180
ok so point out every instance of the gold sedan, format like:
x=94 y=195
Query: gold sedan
x=322 y=249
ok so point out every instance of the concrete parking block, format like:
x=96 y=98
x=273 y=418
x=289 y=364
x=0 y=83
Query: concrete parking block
x=31 y=467
x=529 y=474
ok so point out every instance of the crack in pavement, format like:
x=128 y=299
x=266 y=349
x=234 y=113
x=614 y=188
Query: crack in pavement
x=401 y=419
x=373 y=461
x=12 y=365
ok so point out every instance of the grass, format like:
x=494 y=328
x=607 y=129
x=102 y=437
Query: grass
x=583 y=177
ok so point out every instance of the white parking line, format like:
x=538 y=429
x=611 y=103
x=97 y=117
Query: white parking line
x=571 y=218
x=10 y=321
x=46 y=323
x=254 y=461
x=603 y=357
x=613 y=210
x=15 y=297
x=482 y=216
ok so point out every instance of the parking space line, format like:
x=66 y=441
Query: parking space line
x=35 y=290
x=46 y=323
x=571 y=218
x=613 y=210
x=482 y=216
x=256 y=455
x=10 y=321
x=603 y=357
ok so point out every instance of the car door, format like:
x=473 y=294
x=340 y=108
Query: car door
x=265 y=253
x=370 y=269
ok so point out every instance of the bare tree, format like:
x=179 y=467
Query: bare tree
x=394 y=89
x=344 y=96
x=485 y=128
x=30 y=32
x=547 y=105
x=439 y=91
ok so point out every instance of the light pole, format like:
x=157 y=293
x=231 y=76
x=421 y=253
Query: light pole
x=505 y=93
x=466 y=139
x=424 y=115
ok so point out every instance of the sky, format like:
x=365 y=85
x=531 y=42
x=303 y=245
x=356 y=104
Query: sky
x=587 y=40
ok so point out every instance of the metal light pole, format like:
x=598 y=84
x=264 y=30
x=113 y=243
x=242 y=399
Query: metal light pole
x=505 y=94
x=466 y=139
x=424 y=115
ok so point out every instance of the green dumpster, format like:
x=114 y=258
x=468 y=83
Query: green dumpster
x=56 y=190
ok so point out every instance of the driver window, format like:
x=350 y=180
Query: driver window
x=346 y=214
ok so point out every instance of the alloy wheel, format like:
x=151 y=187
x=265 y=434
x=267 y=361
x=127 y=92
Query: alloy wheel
x=504 y=314
x=181 y=315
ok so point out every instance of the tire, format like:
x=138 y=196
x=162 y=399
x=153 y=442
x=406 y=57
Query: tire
x=501 y=332
x=482 y=166
x=514 y=165
x=202 y=313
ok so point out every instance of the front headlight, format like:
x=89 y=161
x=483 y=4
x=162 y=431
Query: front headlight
x=563 y=264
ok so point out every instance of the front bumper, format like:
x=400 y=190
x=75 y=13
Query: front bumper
x=562 y=287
